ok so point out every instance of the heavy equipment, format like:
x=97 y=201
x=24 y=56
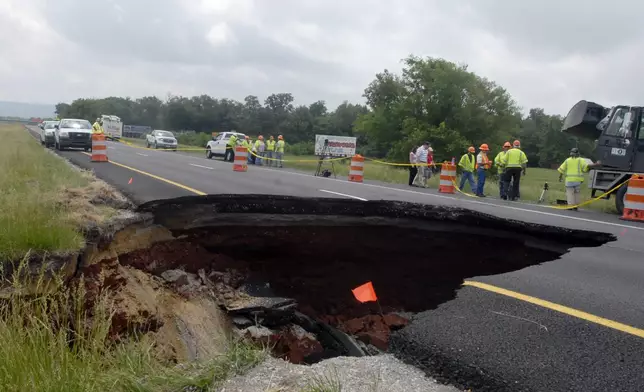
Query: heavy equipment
x=619 y=144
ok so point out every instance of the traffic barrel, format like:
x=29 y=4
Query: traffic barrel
x=240 y=163
x=356 y=170
x=99 y=148
x=634 y=199
x=447 y=178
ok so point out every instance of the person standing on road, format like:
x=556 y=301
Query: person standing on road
x=230 y=148
x=270 y=150
x=246 y=144
x=413 y=169
x=467 y=168
x=421 y=156
x=279 y=150
x=573 y=170
x=259 y=150
x=97 y=128
x=483 y=164
x=500 y=169
x=515 y=162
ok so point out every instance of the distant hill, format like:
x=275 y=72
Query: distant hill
x=19 y=109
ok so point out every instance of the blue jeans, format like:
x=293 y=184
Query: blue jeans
x=480 y=184
x=501 y=186
x=469 y=176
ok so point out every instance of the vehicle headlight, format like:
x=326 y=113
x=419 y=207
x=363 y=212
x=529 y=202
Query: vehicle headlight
x=63 y=134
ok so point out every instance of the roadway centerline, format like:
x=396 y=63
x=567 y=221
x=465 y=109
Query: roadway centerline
x=343 y=194
x=558 y=308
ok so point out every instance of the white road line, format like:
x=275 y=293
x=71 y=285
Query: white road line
x=205 y=167
x=143 y=155
x=343 y=194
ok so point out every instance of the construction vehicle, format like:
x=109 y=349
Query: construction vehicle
x=112 y=126
x=619 y=144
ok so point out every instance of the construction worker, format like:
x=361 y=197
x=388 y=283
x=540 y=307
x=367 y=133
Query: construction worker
x=246 y=143
x=573 y=170
x=467 y=164
x=97 y=127
x=270 y=149
x=279 y=150
x=515 y=162
x=230 y=148
x=483 y=164
x=421 y=157
x=259 y=149
x=501 y=169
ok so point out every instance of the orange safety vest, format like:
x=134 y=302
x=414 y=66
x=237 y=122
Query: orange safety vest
x=486 y=162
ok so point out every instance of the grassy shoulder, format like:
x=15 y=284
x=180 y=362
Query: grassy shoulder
x=44 y=200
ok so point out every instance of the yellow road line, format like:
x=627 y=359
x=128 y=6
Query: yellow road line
x=559 y=308
x=195 y=191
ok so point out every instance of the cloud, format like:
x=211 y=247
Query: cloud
x=547 y=54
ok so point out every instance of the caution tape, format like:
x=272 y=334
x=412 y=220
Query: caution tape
x=296 y=160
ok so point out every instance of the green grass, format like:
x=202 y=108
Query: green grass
x=329 y=381
x=42 y=348
x=34 y=215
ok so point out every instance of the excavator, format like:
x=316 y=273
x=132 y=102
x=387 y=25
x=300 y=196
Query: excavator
x=618 y=133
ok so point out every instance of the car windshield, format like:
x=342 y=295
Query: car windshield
x=50 y=125
x=165 y=133
x=78 y=124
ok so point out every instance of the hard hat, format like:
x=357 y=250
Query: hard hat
x=507 y=144
x=260 y=137
x=246 y=137
x=574 y=151
x=484 y=147
x=471 y=149
x=430 y=149
x=280 y=137
x=516 y=143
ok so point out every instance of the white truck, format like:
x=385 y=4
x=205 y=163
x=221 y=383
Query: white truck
x=112 y=126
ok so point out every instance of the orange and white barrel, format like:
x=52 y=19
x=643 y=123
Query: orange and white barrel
x=634 y=199
x=99 y=148
x=447 y=179
x=356 y=170
x=240 y=164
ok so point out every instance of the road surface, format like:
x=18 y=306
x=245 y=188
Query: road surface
x=574 y=324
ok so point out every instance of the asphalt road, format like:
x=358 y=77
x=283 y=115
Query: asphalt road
x=594 y=343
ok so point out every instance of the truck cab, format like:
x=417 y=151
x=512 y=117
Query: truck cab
x=619 y=143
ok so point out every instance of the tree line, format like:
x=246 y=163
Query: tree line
x=432 y=99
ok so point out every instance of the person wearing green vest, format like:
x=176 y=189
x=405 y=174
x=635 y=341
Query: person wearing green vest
x=515 y=162
x=279 y=150
x=270 y=151
x=246 y=143
x=258 y=149
x=230 y=148
x=573 y=170
x=500 y=169
x=96 y=127
x=467 y=164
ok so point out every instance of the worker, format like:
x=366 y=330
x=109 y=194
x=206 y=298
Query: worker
x=279 y=150
x=500 y=169
x=230 y=148
x=483 y=164
x=270 y=150
x=97 y=127
x=515 y=162
x=258 y=149
x=467 y=168
x=413 y=168
x=573 y=170
x=421 y=159
x=246 y=143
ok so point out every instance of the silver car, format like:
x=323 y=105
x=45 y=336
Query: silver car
x=47 y=133
x=161 y=139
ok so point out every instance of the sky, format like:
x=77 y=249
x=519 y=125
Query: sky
x=547 y=54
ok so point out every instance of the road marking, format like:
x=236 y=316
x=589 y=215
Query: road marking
x=343 y=194
x=559 y=308
x=205 y=167
x=195 y=191
x=143 y=155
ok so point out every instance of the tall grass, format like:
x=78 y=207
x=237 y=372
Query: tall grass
x=51 y=343
x=31 y=213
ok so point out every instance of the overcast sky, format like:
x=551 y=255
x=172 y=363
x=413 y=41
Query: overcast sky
x=547 y=53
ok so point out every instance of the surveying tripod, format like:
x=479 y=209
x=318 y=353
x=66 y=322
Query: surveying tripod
x=325 y=154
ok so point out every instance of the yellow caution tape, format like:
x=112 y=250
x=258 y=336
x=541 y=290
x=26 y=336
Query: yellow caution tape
x=296 y=160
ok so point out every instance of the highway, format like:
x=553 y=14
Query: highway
x=574 y=324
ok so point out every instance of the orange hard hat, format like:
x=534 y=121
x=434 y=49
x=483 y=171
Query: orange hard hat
x=516 y=143
x=471 y=149
x=484 y=147
x=280 y=137
x=246 y=137
x=507 y=144
x=260 y=137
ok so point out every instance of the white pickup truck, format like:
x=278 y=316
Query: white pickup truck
x=217 y=146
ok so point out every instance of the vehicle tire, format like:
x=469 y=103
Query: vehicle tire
x=42 y=143
x=619 y=199
x=174 y=149
x=87 y=149
x=208 y=153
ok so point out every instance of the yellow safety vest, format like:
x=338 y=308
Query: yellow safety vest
x=280 y=146
x=245 y=143
x=232 y=141
x=498 y=158
x=258 y=143
x=574 y=169
x=514 y=158
x=96 y=128
x=270 y=145
x=467 y=162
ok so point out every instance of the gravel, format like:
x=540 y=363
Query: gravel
x=382 y=373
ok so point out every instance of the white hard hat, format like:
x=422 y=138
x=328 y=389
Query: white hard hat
x=430 y=149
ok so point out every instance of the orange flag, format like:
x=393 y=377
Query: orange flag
x=131 y=179
x=365 y=293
